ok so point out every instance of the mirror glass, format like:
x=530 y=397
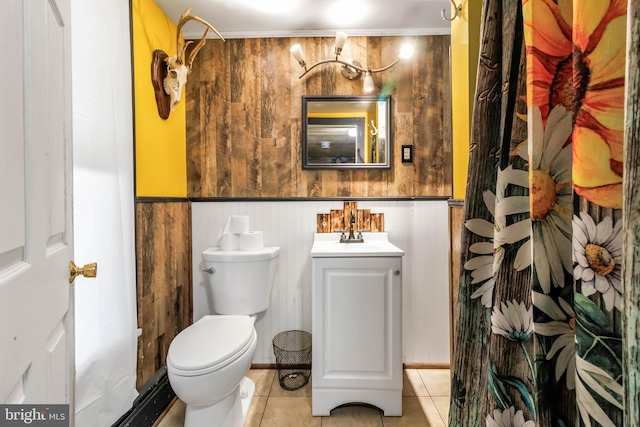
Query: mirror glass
x=346 y=132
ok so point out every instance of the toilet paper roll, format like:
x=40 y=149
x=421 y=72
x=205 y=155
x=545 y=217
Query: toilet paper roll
x=235 y=224
x=229 y=242
x=239 y=224
x=251 y=241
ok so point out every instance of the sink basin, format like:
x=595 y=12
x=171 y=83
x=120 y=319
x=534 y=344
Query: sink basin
x=327 y=245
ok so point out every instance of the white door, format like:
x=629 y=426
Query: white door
x=36 y=317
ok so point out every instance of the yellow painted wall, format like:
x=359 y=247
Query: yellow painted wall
x=465 y=45
x=161 y=162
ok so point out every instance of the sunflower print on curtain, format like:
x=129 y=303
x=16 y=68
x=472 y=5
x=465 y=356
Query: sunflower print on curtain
x=575 y=99
x=540 y=297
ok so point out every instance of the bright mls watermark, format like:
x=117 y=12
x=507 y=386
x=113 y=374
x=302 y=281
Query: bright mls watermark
x=34 y=415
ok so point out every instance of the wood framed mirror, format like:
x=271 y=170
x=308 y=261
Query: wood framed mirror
x=346 y=132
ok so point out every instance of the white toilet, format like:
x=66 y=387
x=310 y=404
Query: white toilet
x=208 y=360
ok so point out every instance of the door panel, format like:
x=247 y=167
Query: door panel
x=12 y=174
x=36 y=328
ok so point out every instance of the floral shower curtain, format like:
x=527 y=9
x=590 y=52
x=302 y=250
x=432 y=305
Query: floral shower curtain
x=541 y=306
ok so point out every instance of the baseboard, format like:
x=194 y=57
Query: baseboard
x=155 y=396
x=426 y=365
x=404 y=365
x=264 y=366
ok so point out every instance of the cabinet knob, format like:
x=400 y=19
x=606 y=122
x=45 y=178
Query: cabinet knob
x=396 y=272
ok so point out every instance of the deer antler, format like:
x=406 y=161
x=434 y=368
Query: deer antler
x=183 y=47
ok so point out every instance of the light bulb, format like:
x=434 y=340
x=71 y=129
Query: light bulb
x=296 y=51
x=341 y=38
x=406 y=51
x=368 y=85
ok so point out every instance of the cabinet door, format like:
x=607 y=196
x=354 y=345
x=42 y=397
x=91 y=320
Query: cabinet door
x=357 y=323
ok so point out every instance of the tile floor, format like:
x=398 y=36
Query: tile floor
x=425 y=403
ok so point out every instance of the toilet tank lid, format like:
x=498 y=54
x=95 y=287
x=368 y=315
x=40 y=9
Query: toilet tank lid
x=218 y=255
x=210 y=341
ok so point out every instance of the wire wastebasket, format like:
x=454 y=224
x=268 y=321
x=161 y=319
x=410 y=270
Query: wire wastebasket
x=293 y=358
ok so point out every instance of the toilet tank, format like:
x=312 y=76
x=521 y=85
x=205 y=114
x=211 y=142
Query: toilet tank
x=240 y=282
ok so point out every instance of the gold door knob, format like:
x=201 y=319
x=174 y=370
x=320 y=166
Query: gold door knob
x=89 y=270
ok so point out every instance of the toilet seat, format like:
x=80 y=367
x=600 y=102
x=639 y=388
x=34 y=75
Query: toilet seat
x=210 y=344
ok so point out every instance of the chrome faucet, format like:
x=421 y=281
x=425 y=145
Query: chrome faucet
x=352 y=238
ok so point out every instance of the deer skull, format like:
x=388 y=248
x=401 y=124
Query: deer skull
x=177 y=71
x=175 y=80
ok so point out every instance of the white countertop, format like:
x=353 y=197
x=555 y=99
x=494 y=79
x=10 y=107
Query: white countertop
x=327 y=245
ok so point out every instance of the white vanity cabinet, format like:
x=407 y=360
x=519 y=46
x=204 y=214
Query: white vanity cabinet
x=357 y=326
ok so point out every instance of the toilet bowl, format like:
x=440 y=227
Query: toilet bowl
x=207 y=363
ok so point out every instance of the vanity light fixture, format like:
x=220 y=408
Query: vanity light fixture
x=351 y=68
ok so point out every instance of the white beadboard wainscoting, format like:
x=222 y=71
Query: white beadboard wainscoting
x=419 y=227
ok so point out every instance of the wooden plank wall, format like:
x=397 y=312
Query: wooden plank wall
x=164 y=291
x=244 y=118
x=456 y=224
x=339 y=220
